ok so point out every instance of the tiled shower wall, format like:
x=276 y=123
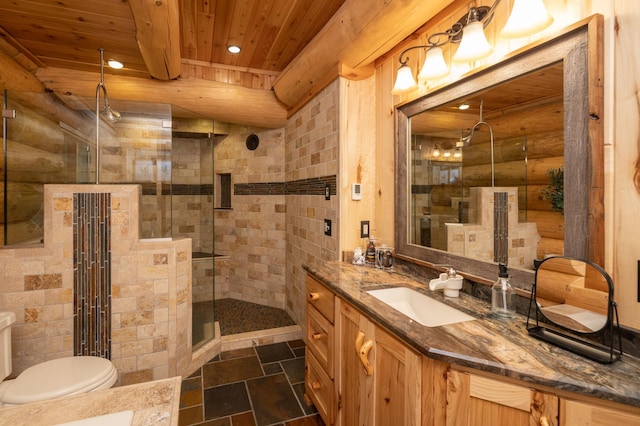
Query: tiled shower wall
x=151 y=290
x=312 y=137
x=252 y=231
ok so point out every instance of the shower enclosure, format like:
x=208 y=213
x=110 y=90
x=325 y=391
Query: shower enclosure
x=46 y=141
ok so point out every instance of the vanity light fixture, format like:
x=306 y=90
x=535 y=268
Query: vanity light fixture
x=527 y=17
x=436 y=151
x=233 y=49
x=447 y=154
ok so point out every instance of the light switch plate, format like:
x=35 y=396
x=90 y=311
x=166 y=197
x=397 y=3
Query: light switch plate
x=364 y=229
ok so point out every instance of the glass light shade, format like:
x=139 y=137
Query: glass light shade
x=527 y=17
x=404 y=81
x=436 y=152
x=434 y=65
x=474 y=44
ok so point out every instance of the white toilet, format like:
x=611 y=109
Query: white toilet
x=50 y=379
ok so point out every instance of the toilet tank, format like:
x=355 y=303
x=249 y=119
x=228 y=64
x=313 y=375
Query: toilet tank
x=6 y=319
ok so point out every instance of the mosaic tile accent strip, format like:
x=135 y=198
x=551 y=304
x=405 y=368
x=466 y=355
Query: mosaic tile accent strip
x=268 y=188
x=313 y=186
x=150 y=188
x=92 y=274
x=501 y=227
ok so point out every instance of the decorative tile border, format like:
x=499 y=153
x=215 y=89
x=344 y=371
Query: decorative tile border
x=92 y=274
x=313 y=186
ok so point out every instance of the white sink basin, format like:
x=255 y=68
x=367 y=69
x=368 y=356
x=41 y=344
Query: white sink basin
x=420 y=308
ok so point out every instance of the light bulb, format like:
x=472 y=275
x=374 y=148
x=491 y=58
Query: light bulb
x=474 y=44
x=434 y=65
x=404 y=81
x=527 y=17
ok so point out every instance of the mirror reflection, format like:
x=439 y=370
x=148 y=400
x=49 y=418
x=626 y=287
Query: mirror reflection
x=485 y=172
x=573 y=294
x=572 y=307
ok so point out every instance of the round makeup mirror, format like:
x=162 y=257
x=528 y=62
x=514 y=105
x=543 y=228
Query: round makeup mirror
x=573 y=307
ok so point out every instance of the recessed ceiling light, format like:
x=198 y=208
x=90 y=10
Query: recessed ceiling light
x=115 y=64
x=233 y=49
x=464 y=106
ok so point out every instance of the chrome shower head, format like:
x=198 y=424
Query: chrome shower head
x=110 y=114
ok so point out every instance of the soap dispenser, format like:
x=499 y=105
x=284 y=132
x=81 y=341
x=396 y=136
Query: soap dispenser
x=503 y=295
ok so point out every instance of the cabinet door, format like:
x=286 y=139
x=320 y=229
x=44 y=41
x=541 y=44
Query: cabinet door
x=379 y=376
x=434 y=392
x=575 y=413
x=397 y=376
x=474 y=400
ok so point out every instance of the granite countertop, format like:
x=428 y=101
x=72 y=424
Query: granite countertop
x=152 y=403
x=489 y=343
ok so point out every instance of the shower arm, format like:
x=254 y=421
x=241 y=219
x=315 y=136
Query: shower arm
x=467 y=140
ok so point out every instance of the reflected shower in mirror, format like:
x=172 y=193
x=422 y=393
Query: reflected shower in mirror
x=554 y=136
x=502 y=140
x=571 y=298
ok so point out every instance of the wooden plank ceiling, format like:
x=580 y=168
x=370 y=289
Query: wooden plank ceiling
x=67 y=34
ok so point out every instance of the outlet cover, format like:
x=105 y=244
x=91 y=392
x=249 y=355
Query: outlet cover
x=327 y=227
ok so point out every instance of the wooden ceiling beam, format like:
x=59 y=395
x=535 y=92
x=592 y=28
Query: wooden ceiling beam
x=192 y=97
x=15 y=77
x=355 y=36
x=158 y=35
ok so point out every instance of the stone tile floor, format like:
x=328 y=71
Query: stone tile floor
x=258 y=386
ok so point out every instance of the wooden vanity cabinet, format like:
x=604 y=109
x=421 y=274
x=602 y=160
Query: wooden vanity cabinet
x=320 y=350
x=359 y=374
x=578 y=413
x=379 y=377
x=474 y=400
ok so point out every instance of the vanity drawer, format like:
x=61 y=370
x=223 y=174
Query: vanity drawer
x=320 y=388
x=320 y=297
x=320 y=339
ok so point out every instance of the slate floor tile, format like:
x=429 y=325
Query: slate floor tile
x=273 y=399
x=233 y=370
x=226 y=400
x=274 y=352
x=191 y=392
x=294 y=368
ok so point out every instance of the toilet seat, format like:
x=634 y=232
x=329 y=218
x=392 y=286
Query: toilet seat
x=60 y=377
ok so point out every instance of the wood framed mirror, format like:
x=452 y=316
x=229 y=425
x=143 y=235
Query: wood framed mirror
x=576 y=55
x=571 y=299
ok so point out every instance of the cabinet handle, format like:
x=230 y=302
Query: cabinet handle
x=314 y=296
x=364 y=357
x=544 y=421
x=317 y=336
x=315 y=385
x=359 y=341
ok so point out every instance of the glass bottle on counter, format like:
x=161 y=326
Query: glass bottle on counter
x=370 y=254
x=502 y=295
